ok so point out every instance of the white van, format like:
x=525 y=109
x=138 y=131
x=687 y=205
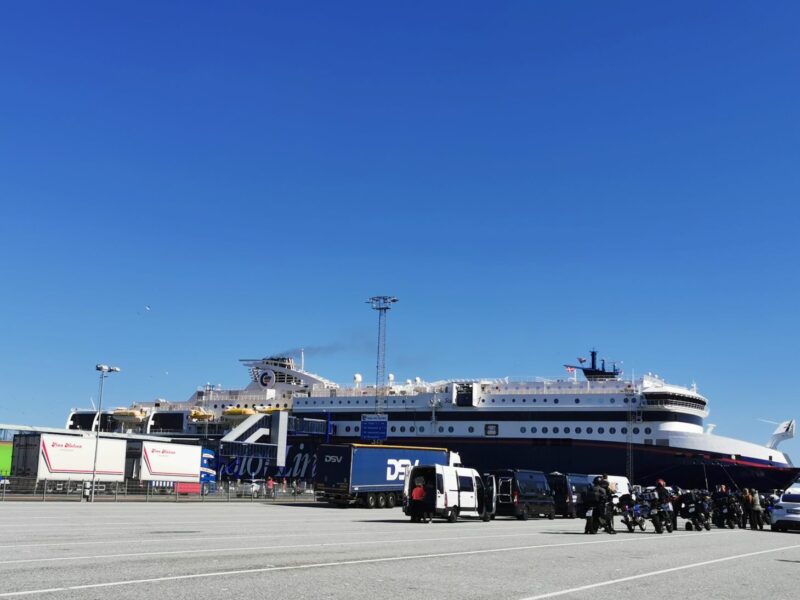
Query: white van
x=447 y=493
x=618 y=484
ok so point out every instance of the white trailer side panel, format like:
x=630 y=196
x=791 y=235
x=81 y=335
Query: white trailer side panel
x=67 y=457
x=170 y=462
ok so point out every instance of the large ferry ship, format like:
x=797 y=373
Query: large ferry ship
x=598 y=423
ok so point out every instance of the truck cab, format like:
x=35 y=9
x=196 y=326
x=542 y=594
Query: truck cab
x=446 y=492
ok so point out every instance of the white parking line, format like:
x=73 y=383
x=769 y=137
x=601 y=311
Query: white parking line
x=160 y=539
x=349 y=563
x=273 y=547
x=592 y=586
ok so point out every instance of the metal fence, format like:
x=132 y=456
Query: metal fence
x=131 y=490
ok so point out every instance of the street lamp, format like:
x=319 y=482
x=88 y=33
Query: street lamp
x=104 y=371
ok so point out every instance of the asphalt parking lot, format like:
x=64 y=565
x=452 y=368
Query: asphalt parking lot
x=260 y=550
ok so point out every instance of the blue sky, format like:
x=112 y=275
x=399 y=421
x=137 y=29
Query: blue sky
x=531 y=180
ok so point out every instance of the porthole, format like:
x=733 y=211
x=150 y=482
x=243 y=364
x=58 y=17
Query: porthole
x=555 y=400
x=635 y=430
x=215 y=406
x=648 y=431
x=612 y=430
x=522 y=429
x=612 y=401
x=421 y=429
x=349 y=401
x=524 y=400
x=441 y=429
x=534 y=400
x=624 y=430
x=633 y=400
x=471 y=429
x=504 y=400
x=238 y=406
x=285 y=405
x=577 y=400
x=533 y=429
x=589 y=430
x=578 y=430
x=356 y=428
x=513 y=400
x=450 y=429
x=566 y=429
x=601 y=430
x=392 y=429
x=340 y=401
x=544 y=429
x=348 y=428
x=555 y=429
x=402 y=428
x=492 y=400
x=625 y=400
x=544 y=399
x=411 y=429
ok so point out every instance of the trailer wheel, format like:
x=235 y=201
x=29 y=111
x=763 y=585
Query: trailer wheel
x=391 y=500
x=370 y=501
x=381 y=499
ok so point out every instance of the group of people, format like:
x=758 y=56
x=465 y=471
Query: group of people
x=600 y=510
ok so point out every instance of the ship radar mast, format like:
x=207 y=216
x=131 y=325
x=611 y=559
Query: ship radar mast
x=595 y=373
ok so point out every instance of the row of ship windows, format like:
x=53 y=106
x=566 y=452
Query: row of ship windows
x=578 y=430
x=277 y=405
x=483 y=401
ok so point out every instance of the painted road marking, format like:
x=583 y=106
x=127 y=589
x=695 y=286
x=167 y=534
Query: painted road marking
x=365 y=561
x=592 y=586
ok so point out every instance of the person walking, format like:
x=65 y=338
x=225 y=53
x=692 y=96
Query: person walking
x=747 y=507
x=270 y=487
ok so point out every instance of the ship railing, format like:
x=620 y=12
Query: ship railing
x=674 y=403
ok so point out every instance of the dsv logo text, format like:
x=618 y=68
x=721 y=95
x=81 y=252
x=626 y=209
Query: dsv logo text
x=396 y=469
x=329 y=458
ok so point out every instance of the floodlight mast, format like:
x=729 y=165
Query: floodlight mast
x=382 y=304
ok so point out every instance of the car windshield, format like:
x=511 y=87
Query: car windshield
x=791 y=498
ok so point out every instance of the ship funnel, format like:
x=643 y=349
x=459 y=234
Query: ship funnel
x=784 y=431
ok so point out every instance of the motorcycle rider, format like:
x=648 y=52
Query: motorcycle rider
x=664 y=496
x=756 y=510
x=607 y=508
x=596 y=501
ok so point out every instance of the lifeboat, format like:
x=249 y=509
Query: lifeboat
x=237 y=414
x=129 y=415
x=268 y=409
x=200 y=414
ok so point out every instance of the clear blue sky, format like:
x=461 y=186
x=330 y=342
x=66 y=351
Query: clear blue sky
x=530 y=179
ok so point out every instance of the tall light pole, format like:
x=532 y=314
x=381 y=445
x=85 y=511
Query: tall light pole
x=104 y=371
x=382 y=304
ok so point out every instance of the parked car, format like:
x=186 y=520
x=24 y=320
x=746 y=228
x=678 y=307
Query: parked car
x=786 y=513
x=523 y=494
x=251 y=489
x=449 y=493
x=569 y=493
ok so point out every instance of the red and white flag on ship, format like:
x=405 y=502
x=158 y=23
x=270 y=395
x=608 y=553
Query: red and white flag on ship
x=569 y=369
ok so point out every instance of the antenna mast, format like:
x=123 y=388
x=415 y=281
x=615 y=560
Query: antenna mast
x=382 y=304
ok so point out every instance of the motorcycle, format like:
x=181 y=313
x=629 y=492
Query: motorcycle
x=634 y=514
x=601 y=517
x=692 y=511
x=725 y=514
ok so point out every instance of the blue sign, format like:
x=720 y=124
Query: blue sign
x=374 y=428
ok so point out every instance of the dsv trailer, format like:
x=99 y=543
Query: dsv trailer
x=369 y=475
